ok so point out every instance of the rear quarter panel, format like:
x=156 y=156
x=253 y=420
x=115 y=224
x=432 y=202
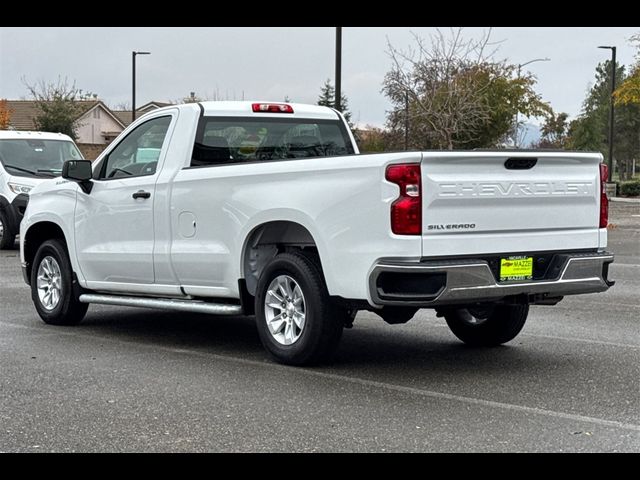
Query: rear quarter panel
x=342 y=201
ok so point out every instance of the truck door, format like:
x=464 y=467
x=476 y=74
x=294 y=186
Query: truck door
x=114 y=223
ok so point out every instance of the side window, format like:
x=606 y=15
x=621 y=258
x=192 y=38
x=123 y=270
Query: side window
x=138 y=153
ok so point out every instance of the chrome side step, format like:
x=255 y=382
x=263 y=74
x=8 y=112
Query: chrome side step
x=163 y=303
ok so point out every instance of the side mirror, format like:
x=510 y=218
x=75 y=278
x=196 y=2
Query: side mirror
x=79 y=171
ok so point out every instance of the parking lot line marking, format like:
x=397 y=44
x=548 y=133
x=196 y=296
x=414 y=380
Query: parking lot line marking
x=476 y=401
x=569 y=306
x=368 y=383
x=584 y=340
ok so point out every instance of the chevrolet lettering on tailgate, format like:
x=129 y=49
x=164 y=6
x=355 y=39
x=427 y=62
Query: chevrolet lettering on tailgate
x=490 y=189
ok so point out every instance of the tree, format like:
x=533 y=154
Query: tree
x=555 y=131
x=373 y=139
x=590 y=130
x=59 y=105
x=327 y=98
x=5 y=115
x=457 y=96
x=629 y=91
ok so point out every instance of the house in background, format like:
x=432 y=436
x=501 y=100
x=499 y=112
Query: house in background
x=125 y=115
x=97 y=125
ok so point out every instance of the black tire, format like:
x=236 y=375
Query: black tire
x=488 y=326
x=8 y=236
x=68 y=310
x=324 y=320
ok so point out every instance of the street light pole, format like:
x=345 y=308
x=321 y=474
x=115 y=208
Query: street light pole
x=338 y=90
x=520 y=65
x=133 y=76
x=611 y=109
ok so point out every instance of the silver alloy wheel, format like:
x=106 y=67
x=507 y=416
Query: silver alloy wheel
x=1 y=228
x=284 y=310
x=49 y=283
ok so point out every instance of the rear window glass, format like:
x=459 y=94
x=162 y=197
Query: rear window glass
x=235 y=140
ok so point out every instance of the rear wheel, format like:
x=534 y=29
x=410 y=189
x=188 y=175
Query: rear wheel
x=7 y=236
x=297 y=322
x=487 y=326
x=52 y=286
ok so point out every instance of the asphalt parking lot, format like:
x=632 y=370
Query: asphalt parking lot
x=143 y=380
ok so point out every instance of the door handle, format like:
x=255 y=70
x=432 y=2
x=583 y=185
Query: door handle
x=141 y=194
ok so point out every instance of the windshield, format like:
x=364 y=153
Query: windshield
x=27 y=157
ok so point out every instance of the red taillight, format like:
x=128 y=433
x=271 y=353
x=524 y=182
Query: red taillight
x=406 y=211
x=604 y=201
x=271 y=108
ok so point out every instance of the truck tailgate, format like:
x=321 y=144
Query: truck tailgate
x=498 y=202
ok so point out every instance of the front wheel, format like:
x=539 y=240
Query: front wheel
x=297 y=322
x=52 y=286
x=487 y=326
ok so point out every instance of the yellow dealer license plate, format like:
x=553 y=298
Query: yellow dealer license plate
x=516 y=268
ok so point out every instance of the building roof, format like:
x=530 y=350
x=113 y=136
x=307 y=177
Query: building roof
x=24 y=112
x=124 y=116
x=152 y=105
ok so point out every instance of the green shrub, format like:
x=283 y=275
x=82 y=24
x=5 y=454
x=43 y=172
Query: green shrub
x=630 y=189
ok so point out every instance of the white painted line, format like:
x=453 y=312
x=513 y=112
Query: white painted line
x=566 y=306
x=373 y=383
x=464 y=399
x=583 y=340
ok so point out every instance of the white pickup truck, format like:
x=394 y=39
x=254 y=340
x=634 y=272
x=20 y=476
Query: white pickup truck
x=269 y=209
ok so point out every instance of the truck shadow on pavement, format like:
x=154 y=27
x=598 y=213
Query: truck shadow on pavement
x=369 y=345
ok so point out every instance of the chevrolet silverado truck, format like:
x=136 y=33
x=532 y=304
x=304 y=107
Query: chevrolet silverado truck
x=268 y=209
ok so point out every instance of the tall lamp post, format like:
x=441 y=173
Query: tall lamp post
x=611 y=111
x=338 y=90
x=133 y=75
x=520 y=65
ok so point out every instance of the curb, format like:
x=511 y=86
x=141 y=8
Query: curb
x=624 y=200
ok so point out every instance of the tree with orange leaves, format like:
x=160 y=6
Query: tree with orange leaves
x=5 y=115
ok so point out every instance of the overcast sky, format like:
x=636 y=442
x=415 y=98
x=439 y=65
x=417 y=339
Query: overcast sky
x=269 y=63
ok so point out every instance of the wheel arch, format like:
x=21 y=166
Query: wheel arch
x=268 y=239
x=36 y=235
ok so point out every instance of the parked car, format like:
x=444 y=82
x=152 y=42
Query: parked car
x=27 y=159
x=269 y=209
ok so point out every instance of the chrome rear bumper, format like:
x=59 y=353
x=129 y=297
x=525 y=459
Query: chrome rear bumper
x=471 y=281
